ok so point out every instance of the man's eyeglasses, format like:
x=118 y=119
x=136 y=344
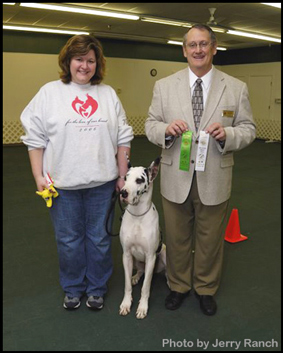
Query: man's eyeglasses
x=202 y=45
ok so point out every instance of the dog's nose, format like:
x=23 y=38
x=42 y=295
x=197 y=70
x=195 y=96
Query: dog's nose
x=124 y=193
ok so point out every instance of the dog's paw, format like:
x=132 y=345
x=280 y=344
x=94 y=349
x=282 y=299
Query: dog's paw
x=135 y=279
x=125 y=307
x=141 y=314
x=142 y=311
x=124 y=310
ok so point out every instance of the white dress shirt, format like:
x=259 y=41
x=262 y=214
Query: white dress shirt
x=206 y=81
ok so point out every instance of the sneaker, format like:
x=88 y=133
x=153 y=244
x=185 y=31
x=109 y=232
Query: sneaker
x=71 y=303
x=94 y=302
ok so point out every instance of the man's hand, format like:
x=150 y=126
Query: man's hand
x=176 y=128
x=217 y=131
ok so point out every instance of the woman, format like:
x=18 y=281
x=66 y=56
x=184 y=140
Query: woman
x=77 y=132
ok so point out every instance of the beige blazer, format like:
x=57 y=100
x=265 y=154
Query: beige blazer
x=172 y=100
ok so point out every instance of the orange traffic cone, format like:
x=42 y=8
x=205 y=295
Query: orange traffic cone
x=232 y=233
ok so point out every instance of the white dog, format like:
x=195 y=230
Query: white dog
x=140 y=235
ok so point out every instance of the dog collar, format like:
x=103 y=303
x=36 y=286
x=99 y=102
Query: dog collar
x=139 y=215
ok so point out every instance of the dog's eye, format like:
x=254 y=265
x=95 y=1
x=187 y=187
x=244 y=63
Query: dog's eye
x=140 y=180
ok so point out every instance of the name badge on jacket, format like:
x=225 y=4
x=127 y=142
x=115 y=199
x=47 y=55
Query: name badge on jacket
x=228 y=113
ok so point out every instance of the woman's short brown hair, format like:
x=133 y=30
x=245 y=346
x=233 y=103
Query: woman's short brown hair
x=81 y=45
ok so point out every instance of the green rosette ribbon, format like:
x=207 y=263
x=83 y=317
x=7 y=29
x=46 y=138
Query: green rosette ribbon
x=185 y=153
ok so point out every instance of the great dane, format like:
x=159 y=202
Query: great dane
x=140 y=235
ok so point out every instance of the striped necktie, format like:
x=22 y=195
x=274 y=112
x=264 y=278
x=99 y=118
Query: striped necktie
x=197 y=103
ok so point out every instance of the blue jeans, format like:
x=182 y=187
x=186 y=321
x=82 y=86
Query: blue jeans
x=84 y=248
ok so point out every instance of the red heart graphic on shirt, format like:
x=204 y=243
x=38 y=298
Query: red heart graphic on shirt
x=85 y=109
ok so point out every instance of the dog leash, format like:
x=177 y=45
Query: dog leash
x=115 y=195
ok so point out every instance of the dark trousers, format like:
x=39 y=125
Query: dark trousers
x=194 y=242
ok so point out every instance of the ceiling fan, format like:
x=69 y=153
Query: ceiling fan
x=213 y=23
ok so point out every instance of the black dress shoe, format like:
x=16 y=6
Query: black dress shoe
x=174 y=300
x=207 y=304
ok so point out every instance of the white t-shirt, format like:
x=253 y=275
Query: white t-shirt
x=80 y=128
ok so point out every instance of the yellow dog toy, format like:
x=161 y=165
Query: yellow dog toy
x=46 y=194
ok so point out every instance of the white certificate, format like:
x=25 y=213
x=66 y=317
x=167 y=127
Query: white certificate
x=202 y=151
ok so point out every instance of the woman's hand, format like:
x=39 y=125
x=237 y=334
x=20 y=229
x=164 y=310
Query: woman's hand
x=119 y=184
x=41 y=183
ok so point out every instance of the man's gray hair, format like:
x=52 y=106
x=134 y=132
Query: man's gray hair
x=204 y=28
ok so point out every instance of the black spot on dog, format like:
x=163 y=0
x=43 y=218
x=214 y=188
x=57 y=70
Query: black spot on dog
x=146 y=172
x=140 y=180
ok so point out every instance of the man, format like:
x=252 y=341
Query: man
x=198 y=141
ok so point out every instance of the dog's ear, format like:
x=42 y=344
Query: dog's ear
x=153 y=169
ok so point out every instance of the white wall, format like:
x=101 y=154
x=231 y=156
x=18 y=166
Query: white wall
x=131 y=77
x=25 y=73
x=257 y=73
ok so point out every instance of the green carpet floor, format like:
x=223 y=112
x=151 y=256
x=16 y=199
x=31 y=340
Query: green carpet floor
x=249 y=299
